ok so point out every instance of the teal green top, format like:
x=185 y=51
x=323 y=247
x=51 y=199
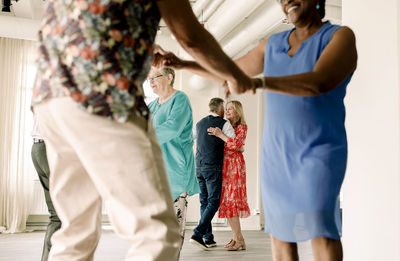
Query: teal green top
x=173 y=123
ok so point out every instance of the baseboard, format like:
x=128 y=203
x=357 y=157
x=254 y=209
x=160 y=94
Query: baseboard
x=39 y=222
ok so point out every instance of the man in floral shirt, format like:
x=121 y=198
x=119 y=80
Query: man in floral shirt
x=93 y=57
x=87 y=49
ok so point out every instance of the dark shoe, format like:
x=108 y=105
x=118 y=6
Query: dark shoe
x=210 y=243
x=198 y=241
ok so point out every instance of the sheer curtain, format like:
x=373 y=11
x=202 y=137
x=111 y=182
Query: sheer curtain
x=17 y=72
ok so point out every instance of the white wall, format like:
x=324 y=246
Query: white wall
x=371 y=192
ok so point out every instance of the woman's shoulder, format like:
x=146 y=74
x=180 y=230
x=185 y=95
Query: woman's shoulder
x=330 y=29
x=241 y=126
x=180 y=96
x=343 y=31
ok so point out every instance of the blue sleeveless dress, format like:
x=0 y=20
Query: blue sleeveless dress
x=304 y=150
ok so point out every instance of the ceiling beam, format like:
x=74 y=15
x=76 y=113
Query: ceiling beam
x=261 y=22
x=199 y=6
x=229 y=15
x=19 y=28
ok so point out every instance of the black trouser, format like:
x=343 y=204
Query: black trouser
x=39 y=159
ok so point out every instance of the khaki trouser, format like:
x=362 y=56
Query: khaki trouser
x=92 y=158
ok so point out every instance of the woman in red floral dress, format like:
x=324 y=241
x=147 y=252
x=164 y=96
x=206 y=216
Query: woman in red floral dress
x=234 y=196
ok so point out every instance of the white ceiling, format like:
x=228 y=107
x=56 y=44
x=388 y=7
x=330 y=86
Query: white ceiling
x=29 y=9
x=237 y=24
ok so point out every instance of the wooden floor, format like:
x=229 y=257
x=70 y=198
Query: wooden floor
x=28 y=247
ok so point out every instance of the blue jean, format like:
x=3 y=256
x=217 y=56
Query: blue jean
x=210 y=182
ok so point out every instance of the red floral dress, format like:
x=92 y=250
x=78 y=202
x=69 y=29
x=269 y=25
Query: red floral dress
x=234 y=194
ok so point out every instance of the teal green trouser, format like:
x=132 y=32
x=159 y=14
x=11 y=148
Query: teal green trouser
x=39 y=159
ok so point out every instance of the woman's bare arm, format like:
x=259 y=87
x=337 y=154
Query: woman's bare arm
x=252 y=63
x=165 y=58
x=336 y=63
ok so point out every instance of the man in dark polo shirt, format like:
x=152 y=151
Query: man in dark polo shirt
x=209 y=161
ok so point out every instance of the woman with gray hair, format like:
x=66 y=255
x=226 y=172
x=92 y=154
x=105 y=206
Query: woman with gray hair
x=171 y=114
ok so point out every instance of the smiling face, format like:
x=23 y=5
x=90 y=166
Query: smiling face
x=299 y=11
x=231 y=113
x=158 y=81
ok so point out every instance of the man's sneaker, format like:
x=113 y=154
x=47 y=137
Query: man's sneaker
x=198 y=241
x=210 y=243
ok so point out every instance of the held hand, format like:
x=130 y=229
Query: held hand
x=225 y=86
x=243 y=84
x=163 y=58
x=214 y=131
x=257 y=83
x=158 y=58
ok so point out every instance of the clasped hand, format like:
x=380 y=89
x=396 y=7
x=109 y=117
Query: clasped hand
x=214 y=131
x=242 y=84
x=163 y=58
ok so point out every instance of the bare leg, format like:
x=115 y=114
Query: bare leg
x=284 y=251
x=234 y=222
x=231 y=241
x=327 y=249
x=238 y=239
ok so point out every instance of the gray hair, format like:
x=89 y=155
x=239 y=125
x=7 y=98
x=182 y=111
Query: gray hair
x=215 y=104
x=165 y=71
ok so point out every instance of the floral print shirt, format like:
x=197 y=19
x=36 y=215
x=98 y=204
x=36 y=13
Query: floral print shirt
x=98 y=52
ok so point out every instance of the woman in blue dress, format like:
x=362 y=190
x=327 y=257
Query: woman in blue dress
x=304 y=151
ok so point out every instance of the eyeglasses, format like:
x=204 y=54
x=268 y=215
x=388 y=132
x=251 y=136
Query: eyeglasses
x=154 y=77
